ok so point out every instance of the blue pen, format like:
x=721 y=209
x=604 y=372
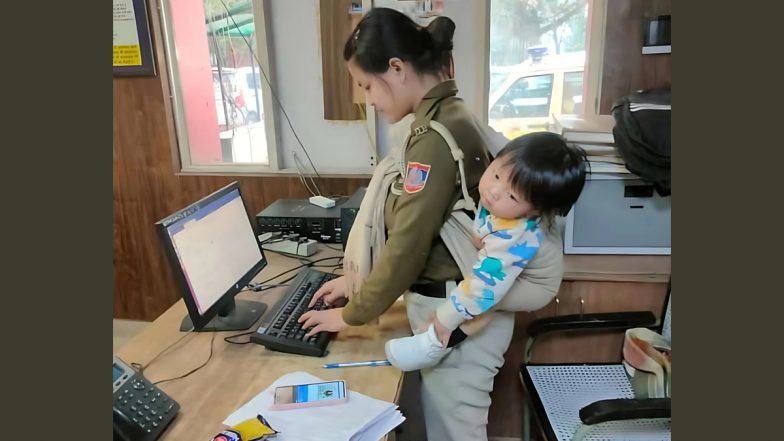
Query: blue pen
x=358 y=363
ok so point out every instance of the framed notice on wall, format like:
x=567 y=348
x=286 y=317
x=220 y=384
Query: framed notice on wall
x=131 y=42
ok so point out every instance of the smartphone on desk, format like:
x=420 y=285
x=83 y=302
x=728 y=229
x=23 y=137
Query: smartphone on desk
x=309 y=395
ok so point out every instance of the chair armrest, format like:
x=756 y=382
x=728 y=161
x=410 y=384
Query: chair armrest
x=585 y=322
x=625 y=409
x=599 y=321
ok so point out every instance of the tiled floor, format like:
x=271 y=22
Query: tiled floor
x=124 y=330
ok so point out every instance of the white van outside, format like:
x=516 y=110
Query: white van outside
x=532 y=92
x=241 y=94
x=248 y=80
x=226 y=98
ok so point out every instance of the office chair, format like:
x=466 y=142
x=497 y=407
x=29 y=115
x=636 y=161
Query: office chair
x=592 y=401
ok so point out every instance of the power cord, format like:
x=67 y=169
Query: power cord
x=227 y=339
x=140 y=367
x=274 y=95
x=300 y=266
x=212 y=341
x=302 y=177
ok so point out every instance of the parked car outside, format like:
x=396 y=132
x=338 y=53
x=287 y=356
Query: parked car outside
x=531 y=92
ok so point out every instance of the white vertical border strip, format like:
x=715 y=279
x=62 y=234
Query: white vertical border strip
x=371 y=116
x=483 y=23
x=594 y=66
x=260 y=14
x=178 y=109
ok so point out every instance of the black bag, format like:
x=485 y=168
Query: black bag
x=642 y=135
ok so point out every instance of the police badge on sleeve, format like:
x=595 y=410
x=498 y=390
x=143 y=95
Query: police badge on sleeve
x=416 y=177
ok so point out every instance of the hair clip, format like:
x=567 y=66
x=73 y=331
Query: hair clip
x=356 y=35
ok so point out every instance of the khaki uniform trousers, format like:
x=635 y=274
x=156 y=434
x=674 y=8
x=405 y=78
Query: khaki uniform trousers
x=456 y=392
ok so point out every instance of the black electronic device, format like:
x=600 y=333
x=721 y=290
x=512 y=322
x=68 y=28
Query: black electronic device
x=348 y=212
x=299 y=216
x=141 y=411
x=284 y=333
x=213 y=253
x=658 y=31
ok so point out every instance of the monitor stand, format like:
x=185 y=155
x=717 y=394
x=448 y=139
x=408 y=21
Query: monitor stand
x=238 y=315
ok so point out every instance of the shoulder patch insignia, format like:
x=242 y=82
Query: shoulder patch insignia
x=420 y=130
x=416 y=177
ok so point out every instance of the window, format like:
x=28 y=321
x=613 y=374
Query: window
x=496 y=79
x=572 y=93
x=527 y=97
x=217 y=56
x=538 y=49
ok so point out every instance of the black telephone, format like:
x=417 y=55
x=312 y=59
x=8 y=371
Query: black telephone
x=141 y=411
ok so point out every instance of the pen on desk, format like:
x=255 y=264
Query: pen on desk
x=358 y=363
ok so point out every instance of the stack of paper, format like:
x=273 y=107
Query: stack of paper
x=360 y=418
x=596 y=129
x=594 y=135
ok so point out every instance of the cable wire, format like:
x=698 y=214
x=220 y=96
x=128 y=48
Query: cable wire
x=212 y=341
x=142 y=367
x=274 y=95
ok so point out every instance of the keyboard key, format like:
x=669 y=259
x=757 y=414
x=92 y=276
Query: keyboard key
x=286 y=334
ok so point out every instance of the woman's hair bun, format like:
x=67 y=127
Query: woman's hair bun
x=441 y=31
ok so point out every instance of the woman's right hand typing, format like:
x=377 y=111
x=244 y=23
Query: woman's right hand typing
x=332 y=291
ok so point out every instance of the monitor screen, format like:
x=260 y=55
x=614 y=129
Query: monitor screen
x=213 y=249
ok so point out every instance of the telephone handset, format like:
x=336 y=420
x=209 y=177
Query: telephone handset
x=141 y=411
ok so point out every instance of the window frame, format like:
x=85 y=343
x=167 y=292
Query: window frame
x=181 y=146
x=594 y=52
x=564 y=75
x=592 y=79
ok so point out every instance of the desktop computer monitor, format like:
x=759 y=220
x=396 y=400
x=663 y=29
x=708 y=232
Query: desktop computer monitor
x=213 y=253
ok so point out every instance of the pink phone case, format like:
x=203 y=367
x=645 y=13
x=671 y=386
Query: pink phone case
x=285 y=406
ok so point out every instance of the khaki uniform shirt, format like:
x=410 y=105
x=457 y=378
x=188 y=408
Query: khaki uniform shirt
x=414 y=252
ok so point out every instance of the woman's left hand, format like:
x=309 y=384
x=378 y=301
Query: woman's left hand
x=330 y=320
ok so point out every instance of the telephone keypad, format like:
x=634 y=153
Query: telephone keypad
x=149 y=407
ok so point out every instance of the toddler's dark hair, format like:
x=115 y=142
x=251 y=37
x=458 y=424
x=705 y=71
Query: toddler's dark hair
x=385 y=33
x=547 y=170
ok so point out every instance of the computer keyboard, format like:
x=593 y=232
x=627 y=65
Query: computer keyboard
x=284 y=333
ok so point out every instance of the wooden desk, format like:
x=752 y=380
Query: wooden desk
x=612 y=268
x=237 y=373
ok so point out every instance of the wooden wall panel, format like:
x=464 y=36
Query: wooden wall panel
x=339 y=90
x=145 y=189
x=625 y=68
